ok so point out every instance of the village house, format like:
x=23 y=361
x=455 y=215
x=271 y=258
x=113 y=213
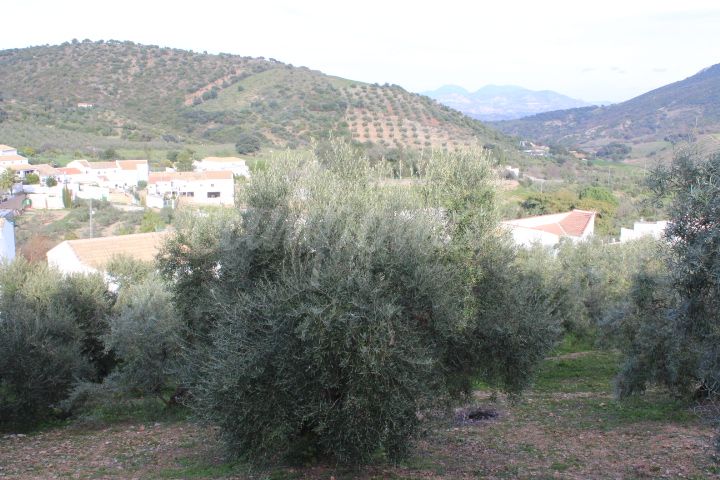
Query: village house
x=9 y=156
x=195 y=188
x=548 y=230
x=111 y=174
x=91 y=255
x=643 y=229
x=216 y=164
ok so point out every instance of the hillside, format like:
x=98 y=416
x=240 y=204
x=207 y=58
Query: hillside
x=690 y=107
x=147 y=96
x=502 y=102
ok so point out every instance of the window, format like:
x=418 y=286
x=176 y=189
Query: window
x=213 y=195
x=187 y=194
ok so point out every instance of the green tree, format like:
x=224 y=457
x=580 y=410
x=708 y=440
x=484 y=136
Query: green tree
x=184 y=161
x=41 y=343
x=673 y=318
x=332 y=295
x=247 y=143
x=31 y=179
x=7 y=180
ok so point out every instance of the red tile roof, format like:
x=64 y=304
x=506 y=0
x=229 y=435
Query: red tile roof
x=572 y=224
x=130 y=164
x=576 y=223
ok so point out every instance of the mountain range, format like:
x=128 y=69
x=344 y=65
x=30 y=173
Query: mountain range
x=502 y=102
x=688 y=108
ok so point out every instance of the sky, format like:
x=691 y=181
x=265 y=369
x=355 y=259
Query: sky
x=596 y=51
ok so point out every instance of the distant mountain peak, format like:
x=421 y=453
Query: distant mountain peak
x=502 y=102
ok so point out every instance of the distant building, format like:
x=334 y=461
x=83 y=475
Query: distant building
x=9 y=156
x=196 y=188
x=547 y=230
x=216 y=164
x=643 y=229
x=111 y=174
x=91 y=255
x=7 y=239
x=7 y=150
x=85 y=105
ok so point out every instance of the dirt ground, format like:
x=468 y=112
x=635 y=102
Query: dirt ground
x=568 y=426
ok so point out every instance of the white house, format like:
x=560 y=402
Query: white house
x=216 y=164
x=91 y=255
x=9 y=156
x=547 y=230
x=197 y=188
x=113 y=174
x=643 y=229
x=7 y=239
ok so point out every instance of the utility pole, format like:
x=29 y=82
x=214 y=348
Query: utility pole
x=91 y=232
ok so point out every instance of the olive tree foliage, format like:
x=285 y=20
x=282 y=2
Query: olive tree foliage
x=597 y=278
x=47 y=338
x=335 y=308
x=145 y=336
x=676 y=313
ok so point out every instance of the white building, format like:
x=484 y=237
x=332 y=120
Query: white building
x=9 y=156
x=643 y=229
x=547 y=230
x=196 y=188
x=7 y=239
x=216 y=164
x=114 y=174
x=91 y=255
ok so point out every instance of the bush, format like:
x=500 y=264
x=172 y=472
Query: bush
x=145 y=336
x=41 y=344
x=335 y=310
x=675 y=338
x=247 y=143
x=31 y=179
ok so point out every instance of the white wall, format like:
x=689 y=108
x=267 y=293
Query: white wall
x=7 y=241
x=527 y=237
x=199 y=190
x=46 y=201
x=63 y=258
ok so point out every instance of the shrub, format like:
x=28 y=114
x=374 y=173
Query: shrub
x=31 y=179
x=40 y=344
x=247 y=143
x=145 y=336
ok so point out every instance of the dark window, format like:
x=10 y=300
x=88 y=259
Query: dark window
x=213 y=194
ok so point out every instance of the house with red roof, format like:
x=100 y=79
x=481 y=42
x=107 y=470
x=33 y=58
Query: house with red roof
x=548 y=230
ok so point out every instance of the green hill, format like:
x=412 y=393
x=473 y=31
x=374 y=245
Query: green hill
x=151 y=97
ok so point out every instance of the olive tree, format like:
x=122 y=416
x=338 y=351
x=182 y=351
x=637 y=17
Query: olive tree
x=334 y=309
x=675 y=313
x=43 y=348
